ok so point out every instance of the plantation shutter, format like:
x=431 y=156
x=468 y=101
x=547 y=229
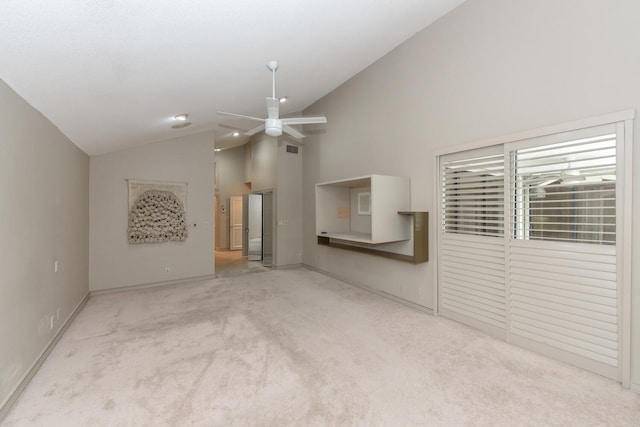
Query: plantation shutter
x=562 y=279
x=546 y=266
x=472 y=251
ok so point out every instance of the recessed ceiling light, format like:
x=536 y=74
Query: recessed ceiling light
x=181 y=117
x=283 y=99
x=236 y=133
x=181 y=125
x=217 y=149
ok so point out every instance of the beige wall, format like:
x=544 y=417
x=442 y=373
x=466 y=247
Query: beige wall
x=264 y=158
x=489 y=68
x=288 y=206
x=114 y=263
x=44 y=186
x=231 y=182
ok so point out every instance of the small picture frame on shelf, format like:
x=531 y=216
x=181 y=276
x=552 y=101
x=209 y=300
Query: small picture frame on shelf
x=364 y=203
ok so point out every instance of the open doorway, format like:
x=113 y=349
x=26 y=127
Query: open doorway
x=237 y=170
x=250 y=234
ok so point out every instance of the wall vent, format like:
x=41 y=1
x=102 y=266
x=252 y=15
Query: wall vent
x=292 y=149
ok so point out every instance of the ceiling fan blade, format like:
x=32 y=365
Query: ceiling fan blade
x=236 y=128
x=273 y=108
x=222 y=113
x=304 y=120
x=255 y=130
x=291 y=131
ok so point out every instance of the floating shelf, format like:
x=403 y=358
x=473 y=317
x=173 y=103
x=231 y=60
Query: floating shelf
x=420 y=241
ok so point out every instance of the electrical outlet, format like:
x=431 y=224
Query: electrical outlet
x=167 y=270
x=56 y=265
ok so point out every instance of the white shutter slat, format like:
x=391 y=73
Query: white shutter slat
x=478 y=287
x=563 y=271
x=553 y=307
x=487 y=272
x=549 y=284
x=567 y=278
x=599 y=321
x=598 y=261
x=566 y=303
x=476 y=299
x=555 y=293
x=480 y=315
x=606 y=338
x=453 y=259
x=472 y=258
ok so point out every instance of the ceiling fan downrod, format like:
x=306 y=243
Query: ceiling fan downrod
x=273 y=66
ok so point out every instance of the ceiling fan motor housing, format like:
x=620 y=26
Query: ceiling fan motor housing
x=273 y=127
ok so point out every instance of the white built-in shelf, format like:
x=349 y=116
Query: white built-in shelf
x=364 y=209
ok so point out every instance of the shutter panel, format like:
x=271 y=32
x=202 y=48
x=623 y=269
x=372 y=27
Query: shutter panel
x=562 y=282
x=472 y=251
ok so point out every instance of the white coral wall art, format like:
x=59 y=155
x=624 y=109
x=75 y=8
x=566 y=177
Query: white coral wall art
x=157 y=211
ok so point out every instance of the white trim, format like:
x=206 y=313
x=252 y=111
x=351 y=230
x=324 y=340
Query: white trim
x=153 y=285
x=626 y=256
x=13 y=396
x=619 y=116
x=436 y=242
x=508 y=238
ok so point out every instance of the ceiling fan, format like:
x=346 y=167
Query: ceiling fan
x=273 y=125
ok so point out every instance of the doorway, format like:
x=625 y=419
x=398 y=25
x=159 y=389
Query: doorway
x=251 y=234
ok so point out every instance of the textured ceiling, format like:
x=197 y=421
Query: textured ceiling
x=111 y=74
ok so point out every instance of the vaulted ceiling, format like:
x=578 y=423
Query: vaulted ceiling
x=112 y=74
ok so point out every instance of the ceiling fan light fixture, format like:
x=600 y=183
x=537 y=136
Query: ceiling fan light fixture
x=236 y=133
x=283 y=100
x=273 y=127
x=181 y=117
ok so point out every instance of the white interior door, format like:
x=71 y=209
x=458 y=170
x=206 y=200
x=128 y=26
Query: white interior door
x=235 y=226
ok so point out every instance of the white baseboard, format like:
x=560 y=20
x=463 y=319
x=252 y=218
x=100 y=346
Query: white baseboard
x=154 y=284
x=373 y=290
x=8 y=403
x=287 y=266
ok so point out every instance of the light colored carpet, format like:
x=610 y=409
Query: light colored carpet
x=295 y=347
